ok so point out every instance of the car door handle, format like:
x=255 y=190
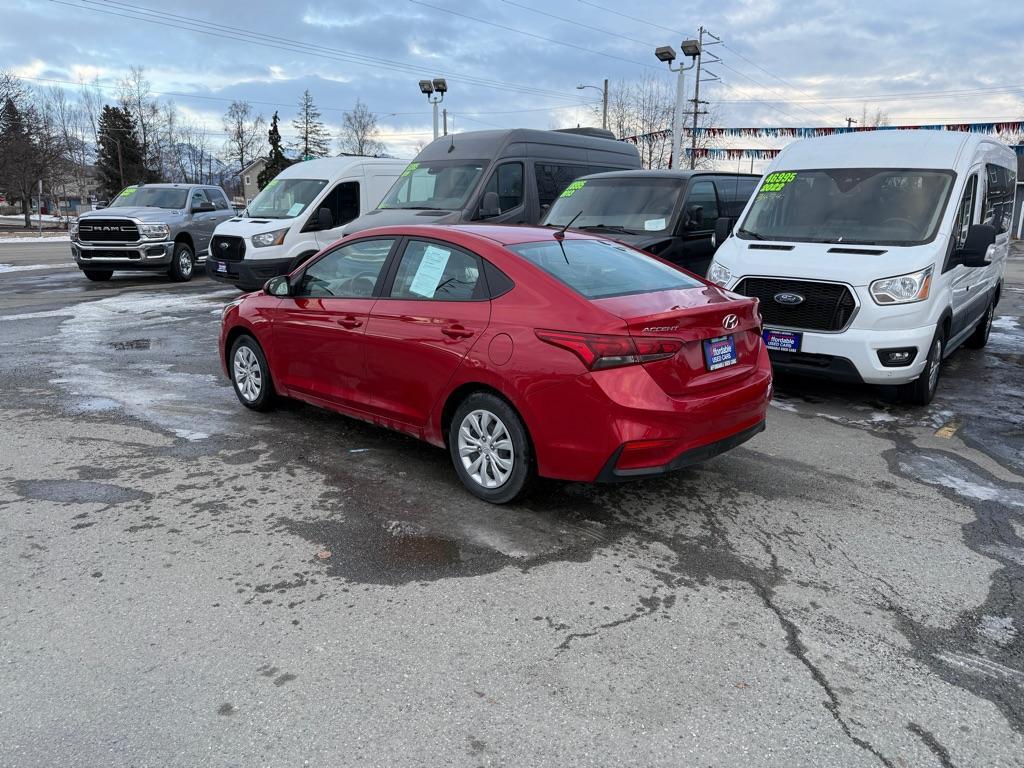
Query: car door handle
x=456 y=332
x=349 y=322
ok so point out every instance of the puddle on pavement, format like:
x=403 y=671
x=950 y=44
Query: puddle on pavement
x=131 y=344
x=77 y=492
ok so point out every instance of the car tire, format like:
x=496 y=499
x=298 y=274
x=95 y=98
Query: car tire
x=979 y=338
x=183 y=263
x=250 y=375
x=922 y=390
x=490 y=449
x=98 y=275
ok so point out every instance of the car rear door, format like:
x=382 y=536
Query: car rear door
x=432 y=311
x=318 y=331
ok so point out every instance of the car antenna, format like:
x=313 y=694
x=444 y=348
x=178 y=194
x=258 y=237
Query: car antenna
x=560 y=234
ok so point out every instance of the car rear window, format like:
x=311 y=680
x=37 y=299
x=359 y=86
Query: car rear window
x=598 y=269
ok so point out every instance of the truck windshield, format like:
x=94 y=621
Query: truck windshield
x=150 y=197
x=622 y=204
x=861 y=206
x=442 y=185
x=285 y=198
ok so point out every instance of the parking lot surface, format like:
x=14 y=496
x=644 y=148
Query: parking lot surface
x=189 y=583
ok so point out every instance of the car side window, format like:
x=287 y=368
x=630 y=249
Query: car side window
x=198 y=198
x=437 y=271
x=507 y=183
x=343 y=202
x=349 y=271
x=217 y=198
x=997 y=208
x=965 y=213
x=701 y=207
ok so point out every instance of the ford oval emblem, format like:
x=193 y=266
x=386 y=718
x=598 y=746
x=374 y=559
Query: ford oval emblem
x=730 y=321
x=788 y=298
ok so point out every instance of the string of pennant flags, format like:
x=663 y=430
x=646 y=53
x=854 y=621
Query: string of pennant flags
x=734 y=153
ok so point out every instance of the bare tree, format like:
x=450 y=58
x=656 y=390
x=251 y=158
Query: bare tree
x=246 y=134
x=359 y=132
x=134 y=93
x=873 y=119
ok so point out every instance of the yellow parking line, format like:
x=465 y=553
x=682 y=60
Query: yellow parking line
x=948 y=429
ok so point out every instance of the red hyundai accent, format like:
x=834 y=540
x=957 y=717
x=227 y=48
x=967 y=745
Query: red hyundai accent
x=523 y=351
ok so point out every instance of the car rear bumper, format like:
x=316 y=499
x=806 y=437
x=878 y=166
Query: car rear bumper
x=581 y=428
x=142 y=256
x=247 y=274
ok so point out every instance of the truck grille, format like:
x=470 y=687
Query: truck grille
x=825 y=306
x=108 y=231
x=227 y=248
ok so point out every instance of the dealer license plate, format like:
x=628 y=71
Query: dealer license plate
x=782 y=341
x=221 y=266
x=719 y=352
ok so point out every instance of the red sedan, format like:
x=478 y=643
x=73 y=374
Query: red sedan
x=523 y=351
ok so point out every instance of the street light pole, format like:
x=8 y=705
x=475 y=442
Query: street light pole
x=430 y=87
x=604 y=100
x=667 y=54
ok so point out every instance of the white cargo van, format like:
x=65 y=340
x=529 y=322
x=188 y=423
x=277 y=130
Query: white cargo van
x=299 y=212
x=876 y=254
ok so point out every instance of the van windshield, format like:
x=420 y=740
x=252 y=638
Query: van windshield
x=285 y=198
x=622 y=204
x=862 y=206
x=442 y=185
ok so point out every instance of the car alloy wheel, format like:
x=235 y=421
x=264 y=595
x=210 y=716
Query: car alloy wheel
x=485 y=449
x=248 y=374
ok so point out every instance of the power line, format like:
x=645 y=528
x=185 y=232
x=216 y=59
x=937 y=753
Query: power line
x=580 y=24
x=631 y=18
x=770 y=90
x=535 y=36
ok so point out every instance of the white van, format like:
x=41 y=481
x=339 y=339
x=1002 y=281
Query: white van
x=299 y=212
x=876 y=254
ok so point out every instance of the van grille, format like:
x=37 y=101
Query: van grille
x=227 y=248
x=108 y=231
x=825 y=306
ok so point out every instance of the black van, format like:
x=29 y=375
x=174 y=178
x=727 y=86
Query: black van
x=506 y=177
x=671 y=214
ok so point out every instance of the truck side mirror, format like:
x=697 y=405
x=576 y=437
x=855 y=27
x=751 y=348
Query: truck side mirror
x=324 y=219
x=489 y=207
x=723 y=228
x=100 y=204
x=975 y=248
x=697 y=216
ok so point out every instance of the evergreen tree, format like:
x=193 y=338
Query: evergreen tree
x=276 y=161
x=313 y=139
x=119 y=158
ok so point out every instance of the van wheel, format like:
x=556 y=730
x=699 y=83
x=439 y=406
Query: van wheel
x=490 y=449
x=99 y=275
x=922 y=390
x=299 y=260
x=979 y=338
x=183 y=263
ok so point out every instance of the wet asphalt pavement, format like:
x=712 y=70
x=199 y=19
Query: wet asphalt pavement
x=188 y=583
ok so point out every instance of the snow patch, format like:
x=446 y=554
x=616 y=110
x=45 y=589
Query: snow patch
x=997 y=629
x=782 y=405
x=32 y=267
x=36 y=239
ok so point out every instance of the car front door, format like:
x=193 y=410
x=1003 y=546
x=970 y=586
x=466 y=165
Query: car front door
x=696 y=225
x=317 y=332
x=428 y=318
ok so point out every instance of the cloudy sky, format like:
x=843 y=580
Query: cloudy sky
x=517 y=62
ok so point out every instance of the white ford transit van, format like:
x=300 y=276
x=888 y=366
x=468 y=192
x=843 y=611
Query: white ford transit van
x=876 y=254
x=297 y=214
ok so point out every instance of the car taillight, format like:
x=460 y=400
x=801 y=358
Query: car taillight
x=601 y=351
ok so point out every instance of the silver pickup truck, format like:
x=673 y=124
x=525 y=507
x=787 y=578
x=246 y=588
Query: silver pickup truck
x=154 y=227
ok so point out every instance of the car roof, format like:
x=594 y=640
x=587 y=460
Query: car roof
x=494 y=233
x=681 y=175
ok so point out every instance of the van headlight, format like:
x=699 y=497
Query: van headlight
x=264 y=239
x=154 y=231
x=903 y=289
x=718 y=274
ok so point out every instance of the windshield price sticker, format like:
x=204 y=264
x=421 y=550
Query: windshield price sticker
x=273 y=183
x=128 y=191
x=573 y=188
x=412 y=167
x=429 y=272
x=776 y=182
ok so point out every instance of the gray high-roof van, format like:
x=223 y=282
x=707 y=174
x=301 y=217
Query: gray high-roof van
x=507 y=177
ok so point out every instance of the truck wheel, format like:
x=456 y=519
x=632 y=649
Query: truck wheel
x=979 y=338
x=183 y=263
x=98 y=275
x=922 y=389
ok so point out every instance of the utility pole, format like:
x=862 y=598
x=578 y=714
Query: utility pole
x=604 y=107
x=849 y=122
x=696 y=90
x=445 y=113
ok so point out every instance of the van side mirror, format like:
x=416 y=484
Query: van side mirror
x=489 y=207
x=277 y=286
x=723 y=229
x=975 y=248
x=544 y=209
x=324 y=219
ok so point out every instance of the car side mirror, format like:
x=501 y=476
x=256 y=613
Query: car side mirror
x=101 y=204
x=324 y=219
x=723 y=228
x=489 y=207
x=203 y=208
x=980 y=237
x=278 y=286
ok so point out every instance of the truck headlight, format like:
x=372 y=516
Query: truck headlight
x=264 y=239
x=718 y=274
x=73 y=230
x=154 y=231
x=903 y=289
